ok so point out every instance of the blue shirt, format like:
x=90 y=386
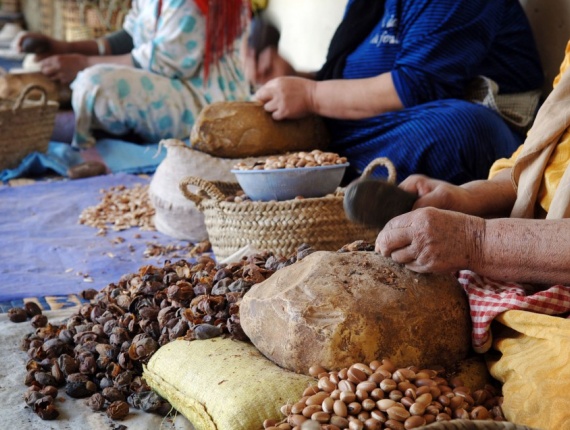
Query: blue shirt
x=434 y=48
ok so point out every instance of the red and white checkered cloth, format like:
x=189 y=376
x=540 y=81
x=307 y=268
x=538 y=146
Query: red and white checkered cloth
x=488 y=298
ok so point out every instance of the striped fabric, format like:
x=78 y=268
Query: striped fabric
x=434 y=49
x=488 y=298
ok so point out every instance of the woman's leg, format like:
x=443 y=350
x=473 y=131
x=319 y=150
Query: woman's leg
x=123 y=100
x=453 y=140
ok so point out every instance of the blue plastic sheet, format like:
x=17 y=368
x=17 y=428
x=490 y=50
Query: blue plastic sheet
x=118 y=155
x=44 y=251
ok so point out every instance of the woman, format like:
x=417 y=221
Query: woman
x=152 y=78
x=397 y=81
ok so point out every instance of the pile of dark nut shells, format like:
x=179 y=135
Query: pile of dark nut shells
x=98 y=353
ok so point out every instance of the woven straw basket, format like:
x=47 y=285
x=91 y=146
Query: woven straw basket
x=89 y=19
x=276 y=226
x=25 y=126
x=10 y=6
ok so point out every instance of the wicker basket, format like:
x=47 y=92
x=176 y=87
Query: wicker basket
x=276 y=226
x=89 y=19
x=25 y=126
x=10 y=6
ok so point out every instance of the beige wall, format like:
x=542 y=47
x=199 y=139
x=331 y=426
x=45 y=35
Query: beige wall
x=550 y=20
x=307 y=27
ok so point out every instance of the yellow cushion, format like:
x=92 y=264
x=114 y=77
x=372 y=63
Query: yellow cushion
x=222 y=383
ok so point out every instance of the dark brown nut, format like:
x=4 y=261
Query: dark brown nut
x=31 y=397
x=112 y=394
x=49 y=390
x=32 y=309
x=86 y=170
x=118 y=410
x=44 y=378
x=96 y=402
x=39 y=320
x=17 y=315
x=80 y=389
x=49 y=412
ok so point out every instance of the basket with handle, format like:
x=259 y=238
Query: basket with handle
x=276 y=226
x=26 y=125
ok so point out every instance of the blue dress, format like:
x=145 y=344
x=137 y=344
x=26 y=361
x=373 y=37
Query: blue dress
x=434 y=49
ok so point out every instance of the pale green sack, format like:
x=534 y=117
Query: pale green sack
x=223 y=384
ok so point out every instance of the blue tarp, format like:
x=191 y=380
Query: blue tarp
x=45 y=251
x=117 y=155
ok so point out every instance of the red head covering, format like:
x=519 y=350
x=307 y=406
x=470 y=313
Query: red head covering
x=224 y=23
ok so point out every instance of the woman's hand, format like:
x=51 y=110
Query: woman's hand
x=41 y=45
x=436 y=193
x=484 y=198
x=259 y=69
x=287 y=97
x=64 y=68
x=431 y=240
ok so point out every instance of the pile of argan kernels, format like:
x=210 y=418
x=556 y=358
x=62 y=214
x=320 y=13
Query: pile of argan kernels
x=295 y=160
x=381 y=396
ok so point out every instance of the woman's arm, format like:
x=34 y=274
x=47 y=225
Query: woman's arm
x=430 y=240
x=484 y=198
x=526 y=250
x=294 y=97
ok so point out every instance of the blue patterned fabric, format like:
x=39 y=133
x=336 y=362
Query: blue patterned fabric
x=433 y=49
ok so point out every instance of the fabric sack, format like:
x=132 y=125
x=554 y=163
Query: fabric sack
x=222 y=384
x=176 y=216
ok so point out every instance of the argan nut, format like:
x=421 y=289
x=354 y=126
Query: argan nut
x=17 y=315
x=118 y=410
